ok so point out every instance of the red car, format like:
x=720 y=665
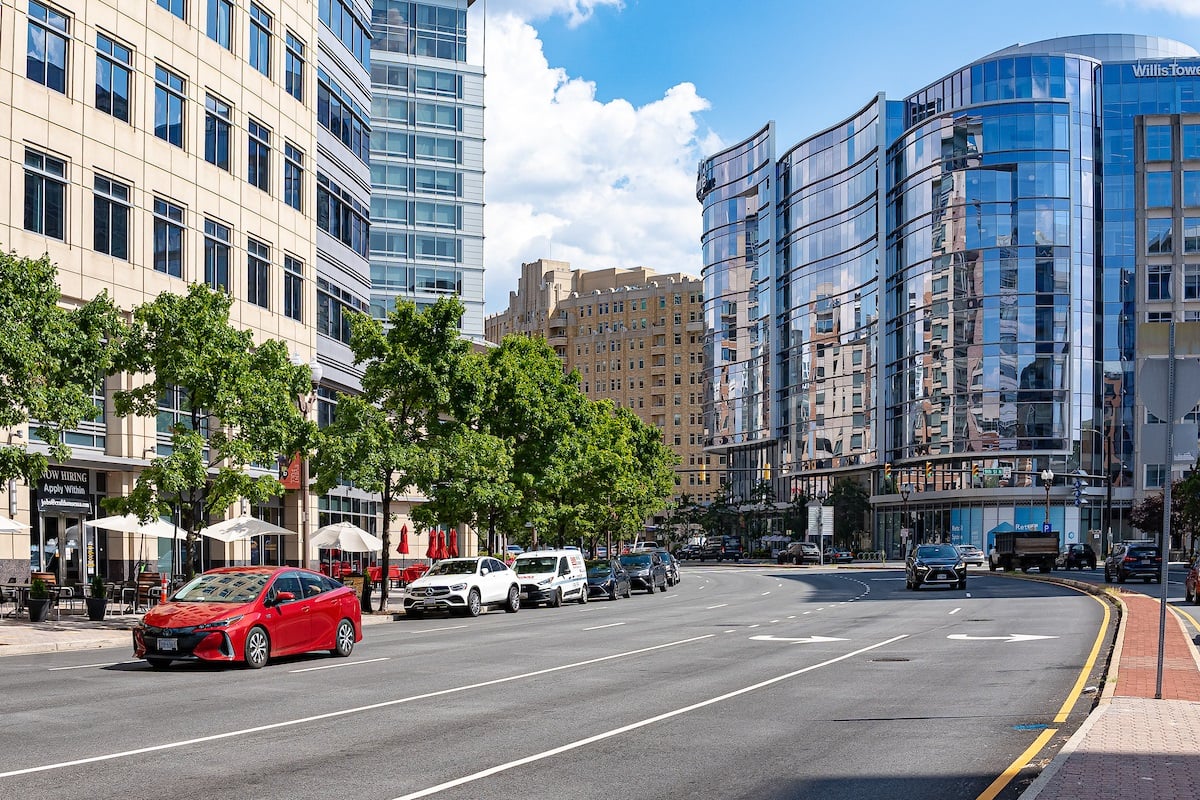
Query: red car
x=249 y=614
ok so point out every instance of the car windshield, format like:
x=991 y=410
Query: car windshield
x=639 y=560
x=967 y=548
x=936 y=551
x=223 y=587
x=598 y=568
x=537 y=564
x=459 y=567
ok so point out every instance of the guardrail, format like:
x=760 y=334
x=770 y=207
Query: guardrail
x=871 y=555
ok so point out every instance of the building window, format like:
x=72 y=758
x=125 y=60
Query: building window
x=218 y=123
x=1158 y=142
x=1191 y=142
x=45 y=194
x=168 y=106
x=176 y=7
x=216 y=254
x=114 y=70
x=1158 y=281
x=293 y=68
x=339 y=17
x=1191 y=281
x=1158 y=236
x=293 y=176
x=46 y=54
x=168 y=238
x=220 y=22
x=258 y=168
x=348 y=121
x=293 y=288
x=1158 y=189
x=1191 y=234
x=260 y=40
x=111 y=217
x=258 y=267
x=1156 y=476
x=342 y=216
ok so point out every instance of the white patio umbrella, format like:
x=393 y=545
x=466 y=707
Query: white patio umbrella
x=129 y=523
x=346 y=536
x=11 y=525
x=232 y=530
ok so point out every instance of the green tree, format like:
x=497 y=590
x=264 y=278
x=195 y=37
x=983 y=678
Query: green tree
x=236 y=403
x=388 y=438
x=51 y=361
x=850 y=501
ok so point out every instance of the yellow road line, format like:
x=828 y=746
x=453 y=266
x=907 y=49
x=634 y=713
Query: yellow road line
x=1081 y=681
x=1015 y=767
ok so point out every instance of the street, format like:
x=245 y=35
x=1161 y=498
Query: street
x=740 y=682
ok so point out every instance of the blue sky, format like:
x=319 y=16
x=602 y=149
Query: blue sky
x=598 y=110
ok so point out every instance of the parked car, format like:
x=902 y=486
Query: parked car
x=800 y=553
x=1077 y=556
x=972 y=556
x=689 y=551
x=644 y=546
x=607 y=578
x=1191 y=592
x=835 y=555
x=672 y=566
x=933 y=564
x=646 y=571
x=465 y=585
x=722 y=548
x=551 y=576
x=1138 y=559
x=250 y=614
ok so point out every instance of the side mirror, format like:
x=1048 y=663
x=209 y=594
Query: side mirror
x=484 y=571
x=283 y=597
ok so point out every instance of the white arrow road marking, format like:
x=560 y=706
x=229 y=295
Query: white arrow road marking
x=1012 y=637
x=802 y=640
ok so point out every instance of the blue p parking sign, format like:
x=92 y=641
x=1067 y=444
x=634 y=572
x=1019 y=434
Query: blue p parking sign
x=1046 y=528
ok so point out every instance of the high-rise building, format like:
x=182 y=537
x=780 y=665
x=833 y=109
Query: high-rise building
x=636 y=338
x=426 y=159
x=953 y=284
x=147 y=146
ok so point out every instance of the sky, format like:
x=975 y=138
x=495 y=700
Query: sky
x=598 y=111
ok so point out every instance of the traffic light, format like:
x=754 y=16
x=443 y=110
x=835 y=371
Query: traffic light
x=974 y=472
x=887 y=471
x=928 y=470
x=1078 y=491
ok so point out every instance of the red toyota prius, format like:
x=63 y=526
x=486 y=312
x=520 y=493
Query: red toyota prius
x=250 y=614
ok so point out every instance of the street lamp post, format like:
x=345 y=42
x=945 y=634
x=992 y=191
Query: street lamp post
x=905 y=491
x=1047 y=482
x=306 y=403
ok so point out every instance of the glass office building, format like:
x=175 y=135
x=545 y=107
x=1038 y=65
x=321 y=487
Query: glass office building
x=956 y=282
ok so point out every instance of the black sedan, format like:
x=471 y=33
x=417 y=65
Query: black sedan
x=672 y=565
x=935 y=563
x=646 y=571
x=607 y=578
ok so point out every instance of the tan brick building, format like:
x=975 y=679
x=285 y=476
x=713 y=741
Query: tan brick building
x=636 y=337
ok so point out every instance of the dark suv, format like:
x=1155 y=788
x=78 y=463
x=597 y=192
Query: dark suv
x=1078 y=556
x=1134 y=560
x=720 y=548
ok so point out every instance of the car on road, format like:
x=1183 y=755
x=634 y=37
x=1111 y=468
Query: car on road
x=689 y=551
x=1191 y=589
x=646 y=571
x=800 y=553
x=722 y=548
x=1135 y=559
x=250 y=615
x=1077 y=556
x=834 y=555
x=464 y=585
x=672 y=565
x=551 y=577
x=607 y=578
x=972 y=556
x=934 y=564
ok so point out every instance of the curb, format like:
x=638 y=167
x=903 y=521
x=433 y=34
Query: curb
x=34 y=648
x=1046 y=775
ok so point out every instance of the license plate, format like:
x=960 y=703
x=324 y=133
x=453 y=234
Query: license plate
x=431 y=603
x=167 y=644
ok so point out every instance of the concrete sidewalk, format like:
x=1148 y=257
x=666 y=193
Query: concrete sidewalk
x=1133 y=745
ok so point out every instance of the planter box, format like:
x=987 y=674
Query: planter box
x=39 y=608
x=96 y=607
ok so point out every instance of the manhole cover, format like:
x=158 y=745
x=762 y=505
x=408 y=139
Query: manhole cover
x=886 y=660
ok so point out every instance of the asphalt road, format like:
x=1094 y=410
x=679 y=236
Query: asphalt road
x=741 y=682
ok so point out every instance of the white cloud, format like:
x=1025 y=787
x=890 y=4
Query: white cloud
x=1187 y=8
x=599 y=184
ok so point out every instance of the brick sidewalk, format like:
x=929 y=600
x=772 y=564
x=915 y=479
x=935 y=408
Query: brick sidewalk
x=1132 y=745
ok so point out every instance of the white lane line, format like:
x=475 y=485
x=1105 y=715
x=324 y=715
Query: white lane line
x=755 y=625
x=764 y=594
x=774 y=621
x=441 y=787
x=731 y=630
x=343 y=664
x=722 y=605
x=955 y=611
x=346 y=711
x=791 y=616
x=87 y=666
x=431 y=630
x=609 y=625
x=807 y=612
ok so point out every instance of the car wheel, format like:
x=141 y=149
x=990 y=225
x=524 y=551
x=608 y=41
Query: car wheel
x=344 y=640
x=583 y=598
x=666 y=585
x=414 y=612
x=1121 y=577
x=1107 y=576
x=512 y=604
x=628 y=591
x=555 y=599
x=473 y=605
x=1187 y=594
x=158 y=663
x=257 y=649
x=962 y=584
x=1196 y=598
x=612 y=592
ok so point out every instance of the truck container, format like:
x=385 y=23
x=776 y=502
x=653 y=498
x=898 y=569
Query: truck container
x=1024 y=550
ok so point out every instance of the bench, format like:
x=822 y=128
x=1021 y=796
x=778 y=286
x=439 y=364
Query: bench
x=149 y=590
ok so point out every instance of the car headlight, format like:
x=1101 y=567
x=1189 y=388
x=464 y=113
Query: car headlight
x=458 y=587
x=960 y=565
x=220 y=623
x=544 y=582
x=921 y=567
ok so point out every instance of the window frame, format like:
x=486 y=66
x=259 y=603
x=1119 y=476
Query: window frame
x=170 y=92
x=218 y=248
x=258 y=272
x=218 y=121
x=259 y=53
x=109 y=62
x=214 y=19
x=42 y=175
x=293 y=65
x=112 y=210
x=258 y=155
x=51 y=24
x=168 y=217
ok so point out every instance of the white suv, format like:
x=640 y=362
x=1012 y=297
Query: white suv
x=465 y=585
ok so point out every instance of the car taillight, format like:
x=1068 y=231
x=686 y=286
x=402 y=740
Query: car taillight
x=1130 y=558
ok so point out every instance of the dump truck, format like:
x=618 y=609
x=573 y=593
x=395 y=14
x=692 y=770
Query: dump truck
x=1024 y=550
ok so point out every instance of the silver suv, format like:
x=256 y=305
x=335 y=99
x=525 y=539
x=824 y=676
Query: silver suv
x=800 y=553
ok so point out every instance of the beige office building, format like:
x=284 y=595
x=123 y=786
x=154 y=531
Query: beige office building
x=147 y=146
x=636 y=338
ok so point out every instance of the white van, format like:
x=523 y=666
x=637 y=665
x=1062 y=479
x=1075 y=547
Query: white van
x=551 y=576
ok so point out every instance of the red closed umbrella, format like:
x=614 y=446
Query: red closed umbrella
x=452 y=549
x=431 y=551
x=441 y=544
x=402 y=548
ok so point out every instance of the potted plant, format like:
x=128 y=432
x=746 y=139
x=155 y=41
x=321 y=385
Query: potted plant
x=97 y=599
x=39 y=601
